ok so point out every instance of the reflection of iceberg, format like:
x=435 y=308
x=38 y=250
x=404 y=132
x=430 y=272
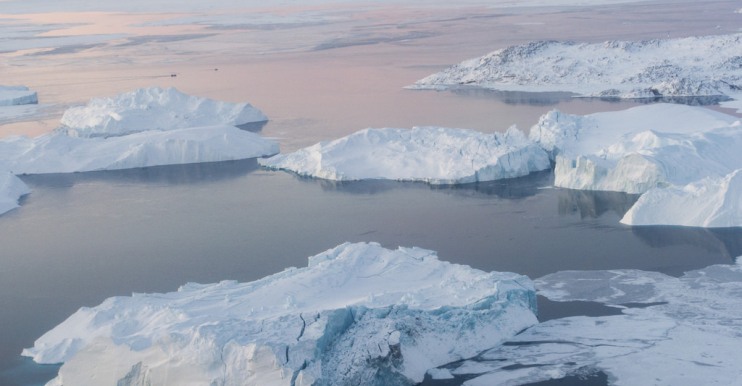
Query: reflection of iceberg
x=686 y=332
x=358 y=314
x=722 y=242
x=11 y=190
x=17 y=95
x=430 y=154
x=694 y=66
x=593 y=204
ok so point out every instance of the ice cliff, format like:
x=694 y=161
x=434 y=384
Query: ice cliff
x=685 y=158
x=431 y=154
x=153 y=109
x=11 y=190
x=357 y=314
x=17 y=95
x=147 y=127
x=685 y=329
x=694 y=66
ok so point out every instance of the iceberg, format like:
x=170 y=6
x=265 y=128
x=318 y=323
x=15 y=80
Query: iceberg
x=431 y=154
x=685 y=329
x=11 y=190
x=17 y=95
x=640 y=148
x=693 y=66
x=153 y=109
x=357 y=314
x=146 y=127
x=711 y=202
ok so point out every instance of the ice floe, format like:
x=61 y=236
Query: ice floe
x=11 y=190
x=147 y=127
x=17 y=95
x=357 y=314
x=684 y=329
x=431 y=154
x=153 y=109
x=693 y=66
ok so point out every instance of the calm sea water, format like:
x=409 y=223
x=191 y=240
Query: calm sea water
x=80 y=238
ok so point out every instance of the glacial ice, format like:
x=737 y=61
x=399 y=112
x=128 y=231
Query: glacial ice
x=640 y=148
x=11 y=190
x=153 y=109
x=684 y=329
x=147 y=127
x=693 y=66
x=431 y=154
x=357 y=314
x=17 y=95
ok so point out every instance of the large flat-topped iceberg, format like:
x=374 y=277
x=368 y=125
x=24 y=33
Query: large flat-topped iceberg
x=694 y=66
x=154 y=109
x=640 y=148
x=357 y=314
x=431 y=154
x=11 y=190
x=17 y=95
x=59 y=153
x=147 y=127
x=685 y=329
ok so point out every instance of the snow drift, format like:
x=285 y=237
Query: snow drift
x=431 y=154
x=17 y=95
x=155 y=109
x=11 y=190
x=694 y=66
x=357 y=314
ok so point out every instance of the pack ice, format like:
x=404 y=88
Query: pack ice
x=146 y=127
x=432 y=154
x=17 y=95
x=693 y=66
x=672 y=331
x=683 y=158
x=357 y=314
x=11 y=190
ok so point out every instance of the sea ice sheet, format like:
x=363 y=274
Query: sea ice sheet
x=693 y=66
x=357 y=314
x=683 y=331
x=431 y=154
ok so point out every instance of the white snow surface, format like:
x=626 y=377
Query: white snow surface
x=153 y=108
x=146 y=127
x=432 y=154
x=11 y=190
x=640 y=148
x=685 y=329
x=357 y=314
x=710 y=202
x=17 y=95
x=693 y=66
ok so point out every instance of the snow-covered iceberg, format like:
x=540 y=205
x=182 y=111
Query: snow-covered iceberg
x=710 y=202
x=17 y=95
x=153 y=109
x=685 y=329
x=357 y=314
x=431 y=154
x=147 y=127
x=11 y=190
x=693 y=66
x=640 y=148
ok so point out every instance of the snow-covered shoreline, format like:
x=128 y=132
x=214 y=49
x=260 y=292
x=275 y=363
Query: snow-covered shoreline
x=357 y=314
x=693 y=66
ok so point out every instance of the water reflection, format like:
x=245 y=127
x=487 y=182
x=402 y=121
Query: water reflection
x=253 y=127
x=511 y=188
x=156 y=175
x=513 y=97
x=594 y=204
x=725 y=241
